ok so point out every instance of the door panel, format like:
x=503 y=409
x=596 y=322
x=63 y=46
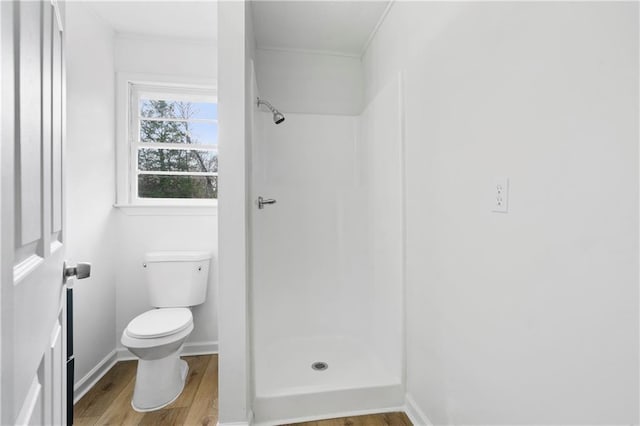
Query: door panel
x=29 y=153
x=33 y=311
x=56 y=130
x=53 y=410
x=46 y=110
x=31 y=411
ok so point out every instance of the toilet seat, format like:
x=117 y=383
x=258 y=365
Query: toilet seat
x=136 y=343
x=158 y=323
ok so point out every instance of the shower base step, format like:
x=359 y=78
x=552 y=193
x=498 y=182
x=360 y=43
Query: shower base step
x=276 y=410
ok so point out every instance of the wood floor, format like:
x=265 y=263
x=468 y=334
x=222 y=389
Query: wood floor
x=109 y=401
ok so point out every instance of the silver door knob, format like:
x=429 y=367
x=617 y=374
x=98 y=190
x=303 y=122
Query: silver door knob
x=80 y=271
x=264 y=201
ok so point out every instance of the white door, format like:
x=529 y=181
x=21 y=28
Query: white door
x=32 y=216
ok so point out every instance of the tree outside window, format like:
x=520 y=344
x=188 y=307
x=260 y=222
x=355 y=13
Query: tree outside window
x=176 y=146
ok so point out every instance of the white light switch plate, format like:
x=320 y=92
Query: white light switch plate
x=500 y=195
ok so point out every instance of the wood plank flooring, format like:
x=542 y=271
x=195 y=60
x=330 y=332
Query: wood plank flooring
x=109 y=401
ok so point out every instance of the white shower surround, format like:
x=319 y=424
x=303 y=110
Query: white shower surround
x=328 y=263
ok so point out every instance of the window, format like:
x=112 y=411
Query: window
x=173 y=136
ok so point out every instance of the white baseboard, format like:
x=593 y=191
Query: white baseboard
x=200 y=348
x=248 y=422
x=83 y=385
x=415 y=414
x=189 y=349
x=336 y=415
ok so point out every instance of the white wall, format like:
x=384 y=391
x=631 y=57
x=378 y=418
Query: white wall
x=90 y=168
x=311 y=83
x=530 y=316
x=236 y=47
x=139 y=234
x=161 y=229
x=380 y=159
x=145 y=54
x=309 y=248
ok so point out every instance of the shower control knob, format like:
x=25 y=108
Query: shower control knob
x=264 y=201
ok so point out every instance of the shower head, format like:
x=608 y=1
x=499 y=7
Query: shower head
x=278 y=117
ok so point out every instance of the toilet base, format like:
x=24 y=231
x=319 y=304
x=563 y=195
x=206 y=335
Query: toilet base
x=159 y=382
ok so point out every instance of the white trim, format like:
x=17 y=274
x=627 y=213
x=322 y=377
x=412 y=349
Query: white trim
x=55 y=246
x=248 y=422
x=7 y=247
x=415 y=414
x=179 y=120
x=56 y=8
x=85 y=384
x=2 y=263
x=172 y=173
x=403 y=198
x=234 y=104
x=177 y=146
x=176 y=93
x=411 y=408
x=173 y=202
x=189 y=349
x=25 y=416
x=202 y=41
x=336 y=415
x=82 y=386
x=123 y=154
x=26 y=267
x=136 y=92
x=167 y=210
x=309 y=51
x=200 y=348
x=376 y=28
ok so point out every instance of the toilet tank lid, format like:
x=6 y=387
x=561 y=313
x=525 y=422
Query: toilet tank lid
x=177 y=256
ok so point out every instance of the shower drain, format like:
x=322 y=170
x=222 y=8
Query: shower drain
x=319 y=366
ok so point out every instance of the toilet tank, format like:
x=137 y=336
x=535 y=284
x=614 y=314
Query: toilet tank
x=177 y=278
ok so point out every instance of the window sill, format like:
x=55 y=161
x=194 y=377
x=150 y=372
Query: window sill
x=167 y=210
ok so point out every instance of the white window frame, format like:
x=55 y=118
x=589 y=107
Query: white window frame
x=127 y=137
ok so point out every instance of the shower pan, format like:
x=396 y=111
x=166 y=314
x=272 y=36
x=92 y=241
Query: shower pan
x=327 y=293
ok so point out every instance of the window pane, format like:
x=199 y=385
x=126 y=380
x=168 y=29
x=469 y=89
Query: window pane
x=194 y=133
x=203 y=133
x=163 y=131
x=158 y=108
x=154 y=186
x=163 y=108
x=177 y=160
x=205 y=110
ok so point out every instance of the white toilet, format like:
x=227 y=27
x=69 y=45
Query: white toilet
x=175 y=281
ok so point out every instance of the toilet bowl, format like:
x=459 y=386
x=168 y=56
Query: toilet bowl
x=176 y=281
x=156 y=338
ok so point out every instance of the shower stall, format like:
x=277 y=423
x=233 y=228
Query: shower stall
x=327 y=291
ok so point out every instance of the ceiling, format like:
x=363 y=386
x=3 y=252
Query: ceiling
x=176 y=19
x=341 y=27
